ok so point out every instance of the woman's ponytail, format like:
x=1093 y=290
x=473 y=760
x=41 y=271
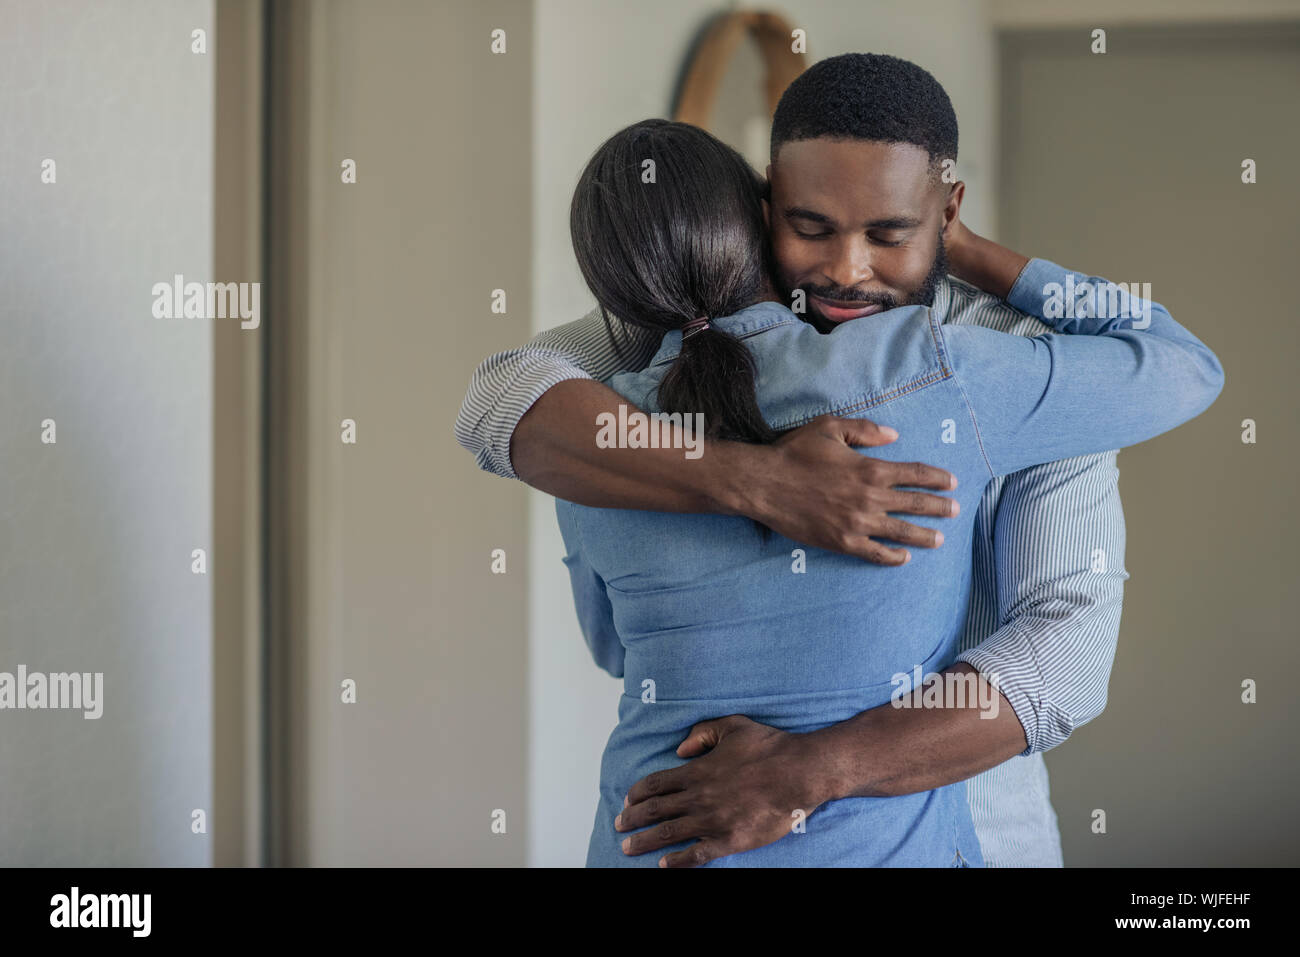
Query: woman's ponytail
x=713 y=375
x=688 y=241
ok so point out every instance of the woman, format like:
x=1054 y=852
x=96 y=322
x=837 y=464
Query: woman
x=711 y=615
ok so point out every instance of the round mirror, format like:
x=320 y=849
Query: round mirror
x=734 y=77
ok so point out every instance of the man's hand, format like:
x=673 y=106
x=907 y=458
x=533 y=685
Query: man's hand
x=744 y=793
x=812 y=487
x=747 y=780
x=809 y=485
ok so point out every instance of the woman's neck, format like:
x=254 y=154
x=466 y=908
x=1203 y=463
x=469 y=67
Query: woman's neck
x=767 y=292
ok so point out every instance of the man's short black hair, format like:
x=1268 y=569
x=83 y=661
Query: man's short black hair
x=867 y=96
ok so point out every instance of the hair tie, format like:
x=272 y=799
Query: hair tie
x=694 y=326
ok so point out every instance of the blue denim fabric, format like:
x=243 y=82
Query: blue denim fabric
x=702 y=618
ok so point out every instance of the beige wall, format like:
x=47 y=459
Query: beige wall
x=1128 y=165
x=238 y=567
x=383 y=550
x=1020 y=14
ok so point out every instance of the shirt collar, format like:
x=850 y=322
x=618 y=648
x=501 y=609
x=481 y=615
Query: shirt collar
x=942 y=299
x=751 y=319
x=764 y=315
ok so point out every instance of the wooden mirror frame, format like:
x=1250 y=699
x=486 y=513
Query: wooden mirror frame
x=713 y=55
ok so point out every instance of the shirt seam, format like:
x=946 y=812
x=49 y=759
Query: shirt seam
x=936 y=334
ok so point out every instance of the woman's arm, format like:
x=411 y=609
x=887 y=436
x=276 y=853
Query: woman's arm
x=1120 y=372
x=981 y=262
x=590 y=600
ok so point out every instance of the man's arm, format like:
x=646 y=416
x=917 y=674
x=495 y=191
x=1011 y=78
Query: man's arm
x=531 y=413
x=506 y=385
x=1060 y=590
x=1059 y=551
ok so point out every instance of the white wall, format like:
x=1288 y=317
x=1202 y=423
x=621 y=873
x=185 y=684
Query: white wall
x=96 y=530
x=599 y=66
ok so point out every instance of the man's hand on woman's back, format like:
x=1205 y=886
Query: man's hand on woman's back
x=812 y=487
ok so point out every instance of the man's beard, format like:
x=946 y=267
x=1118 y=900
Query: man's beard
x=923 y=295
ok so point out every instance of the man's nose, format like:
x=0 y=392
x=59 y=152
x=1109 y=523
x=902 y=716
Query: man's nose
x=849 y=265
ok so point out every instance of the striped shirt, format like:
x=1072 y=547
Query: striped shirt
x=1047 y=576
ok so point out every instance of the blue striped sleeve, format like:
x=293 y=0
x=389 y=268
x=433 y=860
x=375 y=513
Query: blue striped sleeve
x=1058 y=550
x=507 y=384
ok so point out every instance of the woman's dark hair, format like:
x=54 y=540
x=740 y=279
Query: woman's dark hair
x=667 y=225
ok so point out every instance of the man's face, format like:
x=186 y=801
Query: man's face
x=856 y=225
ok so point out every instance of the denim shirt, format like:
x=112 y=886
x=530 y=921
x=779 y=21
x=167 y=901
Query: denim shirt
x=702 y=617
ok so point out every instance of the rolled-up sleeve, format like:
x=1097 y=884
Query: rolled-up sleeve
x=1059 y=551
x=507 y=384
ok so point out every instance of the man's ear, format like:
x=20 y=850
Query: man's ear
x=952 y=206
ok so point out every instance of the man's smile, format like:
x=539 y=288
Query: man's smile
x=836 y=310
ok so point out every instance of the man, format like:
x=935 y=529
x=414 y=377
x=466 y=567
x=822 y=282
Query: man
x=858 y=225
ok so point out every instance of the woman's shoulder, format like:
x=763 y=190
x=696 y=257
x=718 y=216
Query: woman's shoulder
x=803 y=372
